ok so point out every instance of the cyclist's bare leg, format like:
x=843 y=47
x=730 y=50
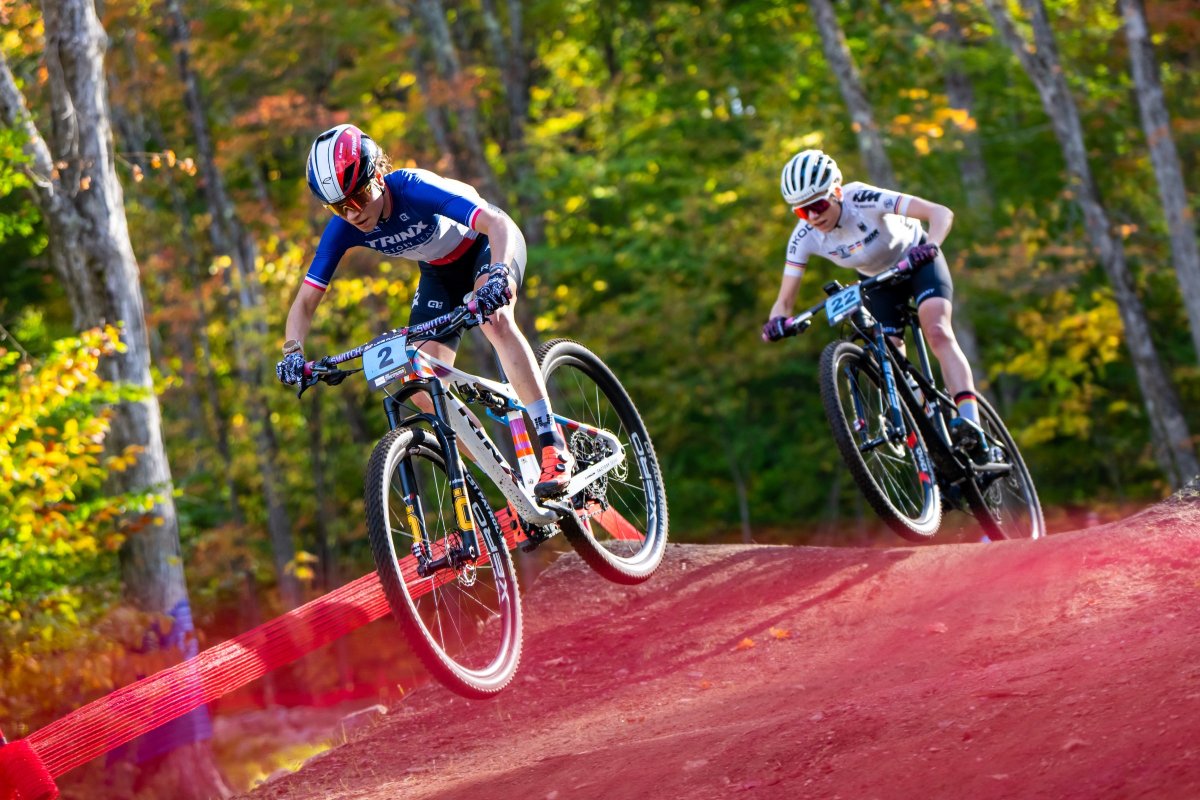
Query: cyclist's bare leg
x=935 y=314
x=520 y=365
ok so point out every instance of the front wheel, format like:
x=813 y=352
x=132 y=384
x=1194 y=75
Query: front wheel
x=1010 y=507
x=620 y=525
x=464 y=619
x=891 y=466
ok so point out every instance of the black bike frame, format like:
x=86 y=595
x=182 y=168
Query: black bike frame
x=890 y=359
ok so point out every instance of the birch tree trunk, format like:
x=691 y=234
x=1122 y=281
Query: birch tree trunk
x=1156 y=122
x=78 y=193
x=250 y=335
x=870 y=142
x=1171 y=438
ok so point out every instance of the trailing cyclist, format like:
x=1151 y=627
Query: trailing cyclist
x=869 y=229
x=461 y=242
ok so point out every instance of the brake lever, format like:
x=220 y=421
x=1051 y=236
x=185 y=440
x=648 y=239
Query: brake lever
x=315 y=370
x=306 y=382
x=339 y=375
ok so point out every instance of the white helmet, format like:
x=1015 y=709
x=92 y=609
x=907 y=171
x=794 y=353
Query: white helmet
x=810 y=175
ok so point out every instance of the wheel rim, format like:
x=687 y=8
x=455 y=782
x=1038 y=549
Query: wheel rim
x=620 y=510
x=467 y=615
x=895 y=464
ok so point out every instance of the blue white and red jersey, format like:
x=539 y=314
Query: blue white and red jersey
x=871 y=235
x=432 y=220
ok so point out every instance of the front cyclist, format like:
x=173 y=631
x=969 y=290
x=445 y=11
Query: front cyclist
x=461 y=242
x=868 y=229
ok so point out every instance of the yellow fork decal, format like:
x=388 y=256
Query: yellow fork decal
x=462 y=510
x=413 y=524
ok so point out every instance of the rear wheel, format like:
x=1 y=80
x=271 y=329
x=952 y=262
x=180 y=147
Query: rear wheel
x=891 y=467
x=620 y=525
x=463 y=620
x=1010 y=507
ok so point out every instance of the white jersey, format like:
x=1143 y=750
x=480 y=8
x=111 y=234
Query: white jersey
x=871 y=235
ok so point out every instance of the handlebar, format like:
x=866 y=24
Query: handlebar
x=794 y=326
x=324 y=370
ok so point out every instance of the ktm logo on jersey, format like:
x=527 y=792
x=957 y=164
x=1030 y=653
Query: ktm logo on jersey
x=387 y=241
x=866 y=197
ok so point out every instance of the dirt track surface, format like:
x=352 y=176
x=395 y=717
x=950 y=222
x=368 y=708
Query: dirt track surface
x=1067 y=668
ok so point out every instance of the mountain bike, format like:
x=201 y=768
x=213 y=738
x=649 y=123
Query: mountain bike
x=442 y=556
x=892 y=425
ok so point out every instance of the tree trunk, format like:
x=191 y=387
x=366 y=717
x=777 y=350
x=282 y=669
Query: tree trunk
x=1171 y=438
x=434 y=115
x=433 y=17
x=230 y=238
x=1157 y=125
x=90 y=251
x=961 y=96
x=201 y=390
x=870 y=142
x=743 y=496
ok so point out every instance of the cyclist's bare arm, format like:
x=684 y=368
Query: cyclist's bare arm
x=505 y=237
x=300 y=315
x=789 y=290
x=938 y=216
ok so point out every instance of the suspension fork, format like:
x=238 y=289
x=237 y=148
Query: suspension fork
x=410 y=487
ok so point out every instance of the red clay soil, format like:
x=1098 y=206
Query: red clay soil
x=1066 y=668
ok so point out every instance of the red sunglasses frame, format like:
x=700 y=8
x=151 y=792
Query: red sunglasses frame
x=824 y=203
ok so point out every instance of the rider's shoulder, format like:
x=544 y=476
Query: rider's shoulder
x=866 y=196
x=417 y=180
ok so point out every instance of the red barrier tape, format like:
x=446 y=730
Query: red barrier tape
x=26 y=777
x=28 y=766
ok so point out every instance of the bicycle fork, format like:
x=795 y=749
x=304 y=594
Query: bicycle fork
x=462 y=544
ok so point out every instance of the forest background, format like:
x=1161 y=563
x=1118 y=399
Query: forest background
x=638 y=144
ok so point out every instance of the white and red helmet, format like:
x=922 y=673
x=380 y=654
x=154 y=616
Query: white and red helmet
x=341 y=161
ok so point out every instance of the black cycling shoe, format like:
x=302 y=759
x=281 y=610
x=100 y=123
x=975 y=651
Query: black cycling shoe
x=970 y=438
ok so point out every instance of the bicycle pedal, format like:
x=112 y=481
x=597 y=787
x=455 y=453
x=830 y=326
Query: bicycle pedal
x=561 y=506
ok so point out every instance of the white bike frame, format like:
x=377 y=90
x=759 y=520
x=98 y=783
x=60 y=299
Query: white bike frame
x=516 y=486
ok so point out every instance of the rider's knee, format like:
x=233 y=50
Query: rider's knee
x=502 y=325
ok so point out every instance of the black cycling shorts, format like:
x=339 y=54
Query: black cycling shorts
x=442 y=288
x=890 y=302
